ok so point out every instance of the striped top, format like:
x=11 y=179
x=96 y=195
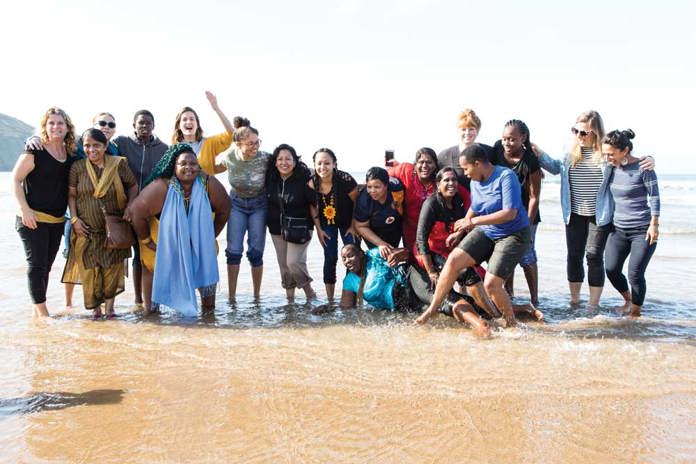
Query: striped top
x=585 y=178
x=636 y=196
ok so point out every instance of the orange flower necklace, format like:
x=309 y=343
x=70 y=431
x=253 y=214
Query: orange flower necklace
x=329 y=209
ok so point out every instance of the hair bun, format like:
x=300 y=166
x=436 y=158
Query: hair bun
x=240 y=121
x=629 y=133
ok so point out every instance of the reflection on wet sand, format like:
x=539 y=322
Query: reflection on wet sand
x=54 y=401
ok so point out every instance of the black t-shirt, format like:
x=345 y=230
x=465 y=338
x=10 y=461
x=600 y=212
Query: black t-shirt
x=343 y=184
x=526 y=166
x=46 y=186
x=449 y=158
x=383 y=219
x=291 y=196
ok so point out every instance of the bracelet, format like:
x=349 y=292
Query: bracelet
x=145 y=241
x=74 y=219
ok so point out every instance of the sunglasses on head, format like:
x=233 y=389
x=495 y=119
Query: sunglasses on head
x=581 y=133
x=111 y=125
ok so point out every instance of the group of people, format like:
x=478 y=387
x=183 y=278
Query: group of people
x=426 y=225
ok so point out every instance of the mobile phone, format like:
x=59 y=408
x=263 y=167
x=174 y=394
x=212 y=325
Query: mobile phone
x=388 y=156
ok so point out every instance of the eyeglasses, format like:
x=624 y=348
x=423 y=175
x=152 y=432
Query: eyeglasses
x=251 y=144
x=111 y=124
x=581 y=133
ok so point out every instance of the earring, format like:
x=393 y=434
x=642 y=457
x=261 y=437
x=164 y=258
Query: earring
x=624 y=161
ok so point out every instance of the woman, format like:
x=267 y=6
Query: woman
x=378 y=211
x=436 y=237
x=289 y=202
x=98 y=185
x=41 y=190
x=246 y=167
x=586 y=203
x=514 y=151
x=418 y=180
x=468 y=128
x=187 y=129
x=336 y=193
x=399 y=286
x=636 y=219
x=176 y=218
x=498 y=232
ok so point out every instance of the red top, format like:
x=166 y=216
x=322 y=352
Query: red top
x=416 y=194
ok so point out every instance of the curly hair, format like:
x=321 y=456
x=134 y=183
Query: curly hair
x=70 y=138
x=165 y=166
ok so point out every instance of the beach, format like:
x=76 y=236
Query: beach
x=270 y=381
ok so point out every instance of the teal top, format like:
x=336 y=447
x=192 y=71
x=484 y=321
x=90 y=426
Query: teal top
x=379 y=281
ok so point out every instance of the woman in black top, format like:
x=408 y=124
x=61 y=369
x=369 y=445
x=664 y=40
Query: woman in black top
x=336 y=193
x=41 y=190
x=378 y=211
x=514 y=151
x=289 y=201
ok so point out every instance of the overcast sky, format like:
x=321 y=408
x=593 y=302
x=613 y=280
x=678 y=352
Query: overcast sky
x=361 y=76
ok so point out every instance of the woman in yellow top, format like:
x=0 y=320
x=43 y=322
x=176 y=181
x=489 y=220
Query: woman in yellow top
x=98 y=185
x=41 y=190
x=187 y=129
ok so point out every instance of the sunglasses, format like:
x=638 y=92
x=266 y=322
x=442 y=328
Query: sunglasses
x=111 y=125
x=581 y=133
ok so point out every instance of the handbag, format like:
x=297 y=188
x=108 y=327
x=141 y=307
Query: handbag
x=294 y=229
x=119 y=234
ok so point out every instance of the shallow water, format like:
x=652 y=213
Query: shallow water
x=270 y=381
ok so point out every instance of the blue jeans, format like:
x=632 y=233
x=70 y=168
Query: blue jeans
x=331 y=250
x=248 y=216
x=621 y=244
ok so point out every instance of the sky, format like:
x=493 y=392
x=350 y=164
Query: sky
x=362 y=76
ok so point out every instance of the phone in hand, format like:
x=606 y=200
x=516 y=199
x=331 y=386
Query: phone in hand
x=388 y=157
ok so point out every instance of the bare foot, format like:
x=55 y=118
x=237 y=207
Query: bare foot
x=482 y=331
x=623 y=310
x=634 y=312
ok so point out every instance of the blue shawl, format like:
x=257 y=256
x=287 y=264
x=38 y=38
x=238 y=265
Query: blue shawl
x=186 y=253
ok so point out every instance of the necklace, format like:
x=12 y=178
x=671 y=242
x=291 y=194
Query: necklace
x=329 y=209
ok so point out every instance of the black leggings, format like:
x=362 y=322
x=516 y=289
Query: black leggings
x=584 y=238
x=621 y=244
x=40 y=247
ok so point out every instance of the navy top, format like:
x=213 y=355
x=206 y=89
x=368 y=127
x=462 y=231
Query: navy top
x=383 y=219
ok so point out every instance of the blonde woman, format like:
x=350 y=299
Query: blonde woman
x=41 y=190
x=586 y=203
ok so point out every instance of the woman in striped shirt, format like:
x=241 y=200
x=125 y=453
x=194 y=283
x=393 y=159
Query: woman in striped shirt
x=586 y=203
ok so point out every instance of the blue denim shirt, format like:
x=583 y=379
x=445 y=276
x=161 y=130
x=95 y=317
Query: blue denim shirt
x=605 y=202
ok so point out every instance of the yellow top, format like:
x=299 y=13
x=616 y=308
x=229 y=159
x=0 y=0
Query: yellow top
x=212 y=146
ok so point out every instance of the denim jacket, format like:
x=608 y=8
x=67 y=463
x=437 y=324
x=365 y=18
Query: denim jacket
x=605 y=202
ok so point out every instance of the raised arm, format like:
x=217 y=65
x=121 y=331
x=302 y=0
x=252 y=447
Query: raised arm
x=212 y=99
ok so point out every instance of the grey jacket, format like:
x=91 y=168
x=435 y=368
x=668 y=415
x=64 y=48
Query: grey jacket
x=141 y=158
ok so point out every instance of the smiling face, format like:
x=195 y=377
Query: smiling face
x=56 y=127
x=513 y=141
x=467 y=135
x=285 y=163
x=106 y=124
x=377 y=190
x=249 y=146
x=472 y=170
x=186 y=168
x=94 y=150
x=144 y=125
x=324 y=165
x=188 y=125
x=613 y=155
x=448 y=184
x=351 y=257
x=425 y=167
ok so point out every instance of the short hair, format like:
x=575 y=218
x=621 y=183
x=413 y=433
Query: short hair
x=103 y=113
x=468 y=118
x=377 y=173
x=475 y=153
x=143 y=113
x=620 y=139
x=178 y=136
